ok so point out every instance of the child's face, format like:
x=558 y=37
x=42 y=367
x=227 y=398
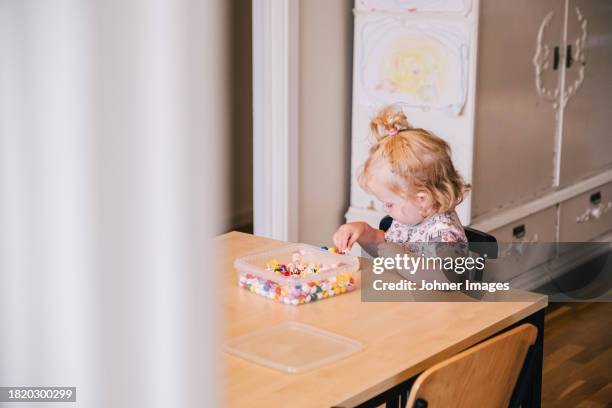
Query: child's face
x=403 y=210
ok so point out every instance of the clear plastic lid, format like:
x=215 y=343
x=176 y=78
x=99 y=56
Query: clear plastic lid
x=292 y=347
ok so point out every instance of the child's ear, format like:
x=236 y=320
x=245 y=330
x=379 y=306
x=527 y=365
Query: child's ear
x=425 y=202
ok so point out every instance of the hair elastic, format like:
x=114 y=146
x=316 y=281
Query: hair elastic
x=394 y=131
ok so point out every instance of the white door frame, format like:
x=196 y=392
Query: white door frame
x=275 y=118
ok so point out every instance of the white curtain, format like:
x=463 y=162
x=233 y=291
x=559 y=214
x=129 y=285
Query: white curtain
x=112 y=114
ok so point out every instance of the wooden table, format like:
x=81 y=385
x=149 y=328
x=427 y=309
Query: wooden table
x=400 y=339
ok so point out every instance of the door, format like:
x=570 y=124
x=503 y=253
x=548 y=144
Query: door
x=587 y=117
x=518 y=85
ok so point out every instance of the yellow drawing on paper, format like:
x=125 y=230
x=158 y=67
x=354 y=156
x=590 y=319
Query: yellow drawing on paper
x=419 y=64
x=415 y=66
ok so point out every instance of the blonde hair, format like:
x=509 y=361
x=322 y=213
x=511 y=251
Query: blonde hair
x=418 y=159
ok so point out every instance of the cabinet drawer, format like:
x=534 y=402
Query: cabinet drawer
x=586 y=216
x=538 y=227
x=521 y=245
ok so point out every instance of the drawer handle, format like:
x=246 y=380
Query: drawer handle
x=595 y=198
x=594 y=212
x=517 y=249
x=518 y=232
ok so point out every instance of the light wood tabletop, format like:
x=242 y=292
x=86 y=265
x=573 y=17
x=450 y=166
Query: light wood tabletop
x=400 y=339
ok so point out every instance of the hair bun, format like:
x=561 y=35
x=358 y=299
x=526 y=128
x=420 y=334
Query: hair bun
x=388 y=122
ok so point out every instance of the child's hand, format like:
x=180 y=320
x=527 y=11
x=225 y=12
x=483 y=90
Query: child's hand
x=348 y=234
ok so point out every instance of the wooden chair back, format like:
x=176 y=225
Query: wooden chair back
x=481 y=376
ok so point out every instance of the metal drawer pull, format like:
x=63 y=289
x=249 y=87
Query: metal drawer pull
x=518 y=248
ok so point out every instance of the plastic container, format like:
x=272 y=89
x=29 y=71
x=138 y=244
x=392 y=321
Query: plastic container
x=331 y=280
x=292 y=347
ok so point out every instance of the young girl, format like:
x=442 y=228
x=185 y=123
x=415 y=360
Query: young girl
x=411 y=172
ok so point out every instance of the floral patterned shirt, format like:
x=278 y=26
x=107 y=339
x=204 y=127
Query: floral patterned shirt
x=442 y=227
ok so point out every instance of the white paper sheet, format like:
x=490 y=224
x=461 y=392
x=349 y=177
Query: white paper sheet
x=420 y=64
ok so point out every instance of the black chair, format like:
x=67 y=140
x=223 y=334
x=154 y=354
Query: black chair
x=479 y=242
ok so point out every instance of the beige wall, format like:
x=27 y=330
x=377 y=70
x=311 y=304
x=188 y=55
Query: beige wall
x=324 y=128
x=325 y=117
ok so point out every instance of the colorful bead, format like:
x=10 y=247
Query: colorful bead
x=299 y=267
x=332 y=249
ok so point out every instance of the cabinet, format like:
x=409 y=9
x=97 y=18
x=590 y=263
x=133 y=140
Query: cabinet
x=549 y=145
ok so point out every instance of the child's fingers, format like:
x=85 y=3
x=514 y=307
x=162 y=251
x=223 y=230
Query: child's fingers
x=353 y=238
x=336 y=238
x=343 y=240
x=347 y=242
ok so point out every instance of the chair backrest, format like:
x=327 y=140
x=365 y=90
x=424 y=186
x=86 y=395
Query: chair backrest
x=478 y=241
x=481 y=376
x=385 y=223
x=481 y=242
